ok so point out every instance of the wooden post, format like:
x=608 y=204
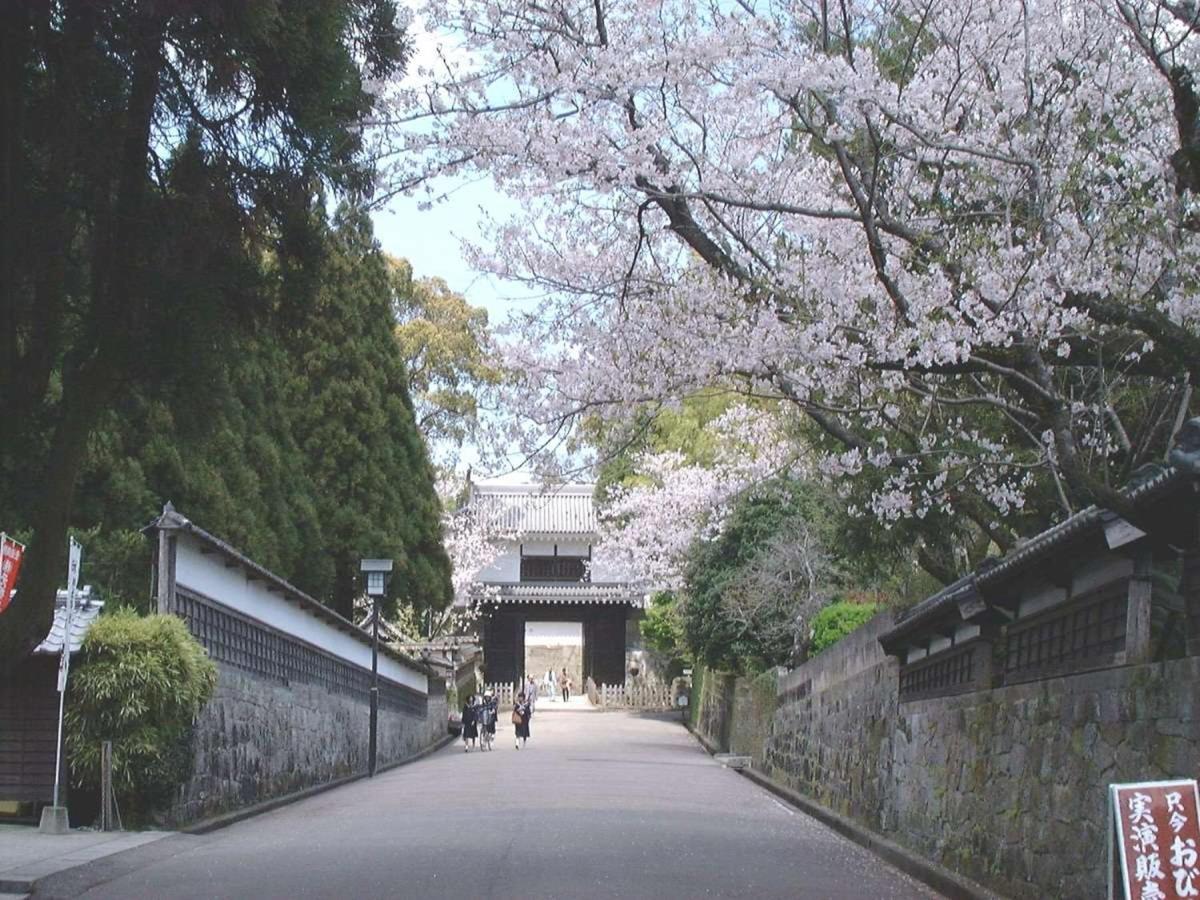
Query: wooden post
x=165 y=594
x=1138 y=645
x=106 y=787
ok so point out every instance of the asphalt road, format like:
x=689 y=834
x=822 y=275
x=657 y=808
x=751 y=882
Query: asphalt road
x=599 y=804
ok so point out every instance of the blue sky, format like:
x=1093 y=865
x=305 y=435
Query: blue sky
x=431 y=238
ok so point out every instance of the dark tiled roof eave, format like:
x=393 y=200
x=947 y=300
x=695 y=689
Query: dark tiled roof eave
x=943 y=604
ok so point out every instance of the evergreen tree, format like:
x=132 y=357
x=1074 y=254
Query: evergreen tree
x=151 y=153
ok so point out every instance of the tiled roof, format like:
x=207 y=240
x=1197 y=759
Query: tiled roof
x=557 y=592
x=87 y=610
x=1156 y=483
x=536 y=509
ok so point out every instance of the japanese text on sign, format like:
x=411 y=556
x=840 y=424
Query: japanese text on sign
x=1158 y=833
x=10 y=566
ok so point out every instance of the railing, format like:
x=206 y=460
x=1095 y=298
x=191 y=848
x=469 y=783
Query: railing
x=554 y=568
x=235 y=640
x=505 y=692
x=1087 y=633
x=952 y=671
x=631 y=695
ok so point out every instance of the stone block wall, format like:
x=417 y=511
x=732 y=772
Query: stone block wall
x=754 y=702
x=734 y=713
x=259 y=738
x=711 y=712
x=1006 y=786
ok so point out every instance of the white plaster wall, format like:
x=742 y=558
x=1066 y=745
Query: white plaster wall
x=505 y=568
x=938 y=644
x=1040 y=600
x=574 y=548
x=538 y=548
x=208 y=575
x=553 y=634
x=965 y=632
x=1100 y=572
x=606 y=566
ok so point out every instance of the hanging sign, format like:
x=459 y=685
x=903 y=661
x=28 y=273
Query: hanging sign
x=64 y=661
x=11 y=554
x=1157 y=827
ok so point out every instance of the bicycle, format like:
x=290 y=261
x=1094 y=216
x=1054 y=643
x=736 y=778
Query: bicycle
x=487 y=726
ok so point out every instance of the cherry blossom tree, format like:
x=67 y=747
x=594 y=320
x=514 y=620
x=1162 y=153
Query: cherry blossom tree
x=474 y=538
x=959 y=238
x=648 y=526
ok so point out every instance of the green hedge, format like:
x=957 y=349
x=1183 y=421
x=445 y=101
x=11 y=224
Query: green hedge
x=139 y=682
x=837 y=620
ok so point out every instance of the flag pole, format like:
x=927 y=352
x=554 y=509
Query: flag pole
x=54 y=819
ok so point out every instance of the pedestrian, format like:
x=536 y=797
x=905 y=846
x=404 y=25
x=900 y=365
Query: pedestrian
x=564 y=682
x=551 y=685
x=470 y=723
x=531 y=695
x=520 y=718
x=490 y=706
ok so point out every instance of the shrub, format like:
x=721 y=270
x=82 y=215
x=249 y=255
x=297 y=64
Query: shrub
x=837 y=620
x=140 y=683
x=662 y=627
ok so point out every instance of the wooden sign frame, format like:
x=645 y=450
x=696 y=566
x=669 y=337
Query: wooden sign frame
x=1119 y=874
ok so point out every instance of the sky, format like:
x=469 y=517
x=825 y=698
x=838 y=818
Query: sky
x=431 y=238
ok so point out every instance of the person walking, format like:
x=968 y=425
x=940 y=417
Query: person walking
x=551 y=685
x=489 y=707
x=520 y=718
x=564 y=682
x=470 y=723
x=531 y=695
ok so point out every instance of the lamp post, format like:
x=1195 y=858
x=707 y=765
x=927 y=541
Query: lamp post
x=375 y=572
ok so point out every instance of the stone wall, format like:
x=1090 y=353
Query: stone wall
x=711 y=708
x=734 y=713
x=754 y=704
x=1005 y=786
x=259 y=738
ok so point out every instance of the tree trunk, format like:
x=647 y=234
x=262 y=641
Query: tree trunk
x=28 y=619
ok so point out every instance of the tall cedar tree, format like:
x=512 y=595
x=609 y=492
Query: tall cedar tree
x=298 y=446
x=148 y=151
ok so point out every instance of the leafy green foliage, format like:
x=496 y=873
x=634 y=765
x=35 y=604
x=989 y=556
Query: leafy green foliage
x=717 y=568
x=300 y=447
x=662 y=627
x=680 y=429
x=444 y=343
x=837 y=620
x=139 y=682
x=155 y=154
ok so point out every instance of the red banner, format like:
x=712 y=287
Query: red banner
x=1158 y=835
x=10 y=566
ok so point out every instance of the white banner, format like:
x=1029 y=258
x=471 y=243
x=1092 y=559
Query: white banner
x=75 y=554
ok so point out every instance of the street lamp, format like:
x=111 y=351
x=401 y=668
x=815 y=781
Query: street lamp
x=376 y=573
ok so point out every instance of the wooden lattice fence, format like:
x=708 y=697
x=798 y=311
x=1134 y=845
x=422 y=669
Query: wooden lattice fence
x=630 y=695
x=505 y=691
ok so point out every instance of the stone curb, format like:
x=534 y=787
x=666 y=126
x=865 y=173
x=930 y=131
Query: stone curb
x=941 y=879
x=204 y=826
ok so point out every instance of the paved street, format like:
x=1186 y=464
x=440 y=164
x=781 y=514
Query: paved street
x=600 y=804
